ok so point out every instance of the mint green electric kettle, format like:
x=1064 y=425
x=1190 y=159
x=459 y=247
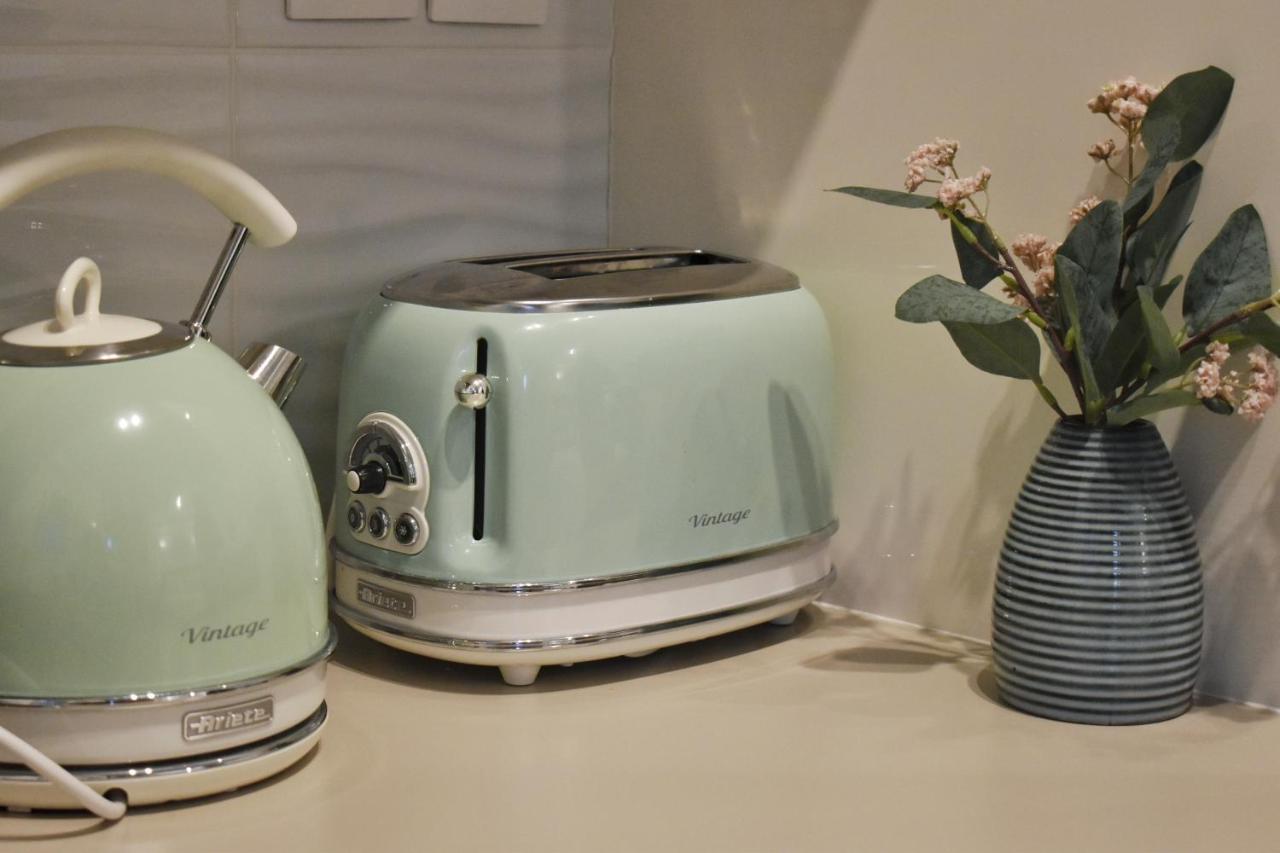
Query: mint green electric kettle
x=163 y=621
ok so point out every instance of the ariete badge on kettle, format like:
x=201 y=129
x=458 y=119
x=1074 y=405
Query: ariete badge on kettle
x=163 y=623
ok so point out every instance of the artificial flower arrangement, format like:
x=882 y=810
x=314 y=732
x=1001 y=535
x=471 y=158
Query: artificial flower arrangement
x=1097 y=297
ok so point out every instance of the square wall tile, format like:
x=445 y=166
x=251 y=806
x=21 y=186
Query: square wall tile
x=570 y=23
x=43 y=23
x=391 y=160
x=154 y=239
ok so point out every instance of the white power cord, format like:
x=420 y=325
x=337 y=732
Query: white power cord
x=58 y=775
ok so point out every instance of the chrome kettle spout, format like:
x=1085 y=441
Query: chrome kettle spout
x=273 y=367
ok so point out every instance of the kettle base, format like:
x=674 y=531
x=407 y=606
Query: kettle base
x=633 y=618
x=164 y=781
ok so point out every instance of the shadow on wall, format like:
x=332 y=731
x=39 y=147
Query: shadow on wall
x=726 y=112
x=1242 y=579
x=951 y=584
x=1015 y=430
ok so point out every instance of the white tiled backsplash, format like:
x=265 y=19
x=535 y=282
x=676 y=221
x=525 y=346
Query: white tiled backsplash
x=393 y=143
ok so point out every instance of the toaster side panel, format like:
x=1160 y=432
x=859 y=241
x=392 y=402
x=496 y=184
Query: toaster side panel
x=660 y=436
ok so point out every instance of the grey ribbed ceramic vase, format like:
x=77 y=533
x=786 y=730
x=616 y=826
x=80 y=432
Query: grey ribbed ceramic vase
x=1098 y=603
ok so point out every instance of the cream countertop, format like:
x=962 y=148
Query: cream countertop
x=842 y=732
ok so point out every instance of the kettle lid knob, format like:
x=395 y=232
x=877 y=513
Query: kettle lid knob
x=88 y=328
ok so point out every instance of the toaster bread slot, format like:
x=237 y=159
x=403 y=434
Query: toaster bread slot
x=604 y=263
x=477 y=506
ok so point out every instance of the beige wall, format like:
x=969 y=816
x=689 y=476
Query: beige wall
x=731 y=116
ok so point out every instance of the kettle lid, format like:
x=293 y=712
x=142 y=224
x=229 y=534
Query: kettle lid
x=87 y=337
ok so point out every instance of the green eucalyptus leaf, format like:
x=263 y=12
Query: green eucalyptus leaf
x=1264 y=330
x=896 y=198
x=1186 y=361
x=1092 y=323
x=1195 y=101
x=976 y=269
x=1158 y=378
x=1005 y=349
x=1125 y=350
x=1152 y=245
x=1070 y=280
x=1233 y=270
x=1094 y=245
x=1163 y=352
x=940 y=298
x=1150 y=404
x=1160 y=136
x=1164 y=292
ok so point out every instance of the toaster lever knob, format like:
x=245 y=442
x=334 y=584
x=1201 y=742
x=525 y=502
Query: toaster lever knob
x=367 y=479
x=473 y=391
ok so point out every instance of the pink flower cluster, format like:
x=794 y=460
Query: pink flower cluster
x=1208 y=377
x=1081 y=210
x=954 y=191
x=1037 y=252
x=1258 y=395
x=1261 y=393
x=1102 y=150
x=938 y=155
x=1124 y=101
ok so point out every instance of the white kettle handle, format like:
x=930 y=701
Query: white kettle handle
x=33 y=163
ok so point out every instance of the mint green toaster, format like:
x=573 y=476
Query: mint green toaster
x=552 y=458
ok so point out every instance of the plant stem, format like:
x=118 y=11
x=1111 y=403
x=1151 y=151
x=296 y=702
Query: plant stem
x=1050 y=399
x=1129 y=134
x=1007 y=263
x=1064 y=359
x=1231 y=319
x=1124 y=393
x=1112 y=170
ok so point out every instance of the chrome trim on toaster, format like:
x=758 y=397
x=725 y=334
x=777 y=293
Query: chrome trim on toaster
x=133 y=700
x=172 y=336
x=534 y=588
x=806 y=592
x=181 y=766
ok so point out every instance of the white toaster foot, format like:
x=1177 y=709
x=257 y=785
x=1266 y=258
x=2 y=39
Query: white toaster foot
x=519 y=676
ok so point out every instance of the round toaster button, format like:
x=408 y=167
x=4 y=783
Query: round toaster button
x=355 y=516
x=407 y=529
x=379 y=521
